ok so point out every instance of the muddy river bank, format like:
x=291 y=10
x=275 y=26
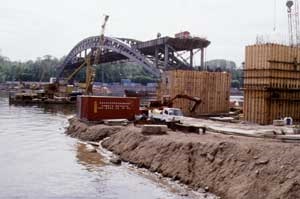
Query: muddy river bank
x=229 y=166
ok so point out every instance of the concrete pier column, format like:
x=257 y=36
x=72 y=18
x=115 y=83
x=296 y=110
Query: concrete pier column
x=191 y=58
x=202 y=59
x=166 y=56
x=156 y=57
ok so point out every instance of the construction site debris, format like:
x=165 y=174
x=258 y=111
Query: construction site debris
x=189 y=128
x=154 y=129
x=281 y=133
x=116 y=122
x=278 y=122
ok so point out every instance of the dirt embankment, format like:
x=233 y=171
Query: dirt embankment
x=232 y=167
x=88 y=132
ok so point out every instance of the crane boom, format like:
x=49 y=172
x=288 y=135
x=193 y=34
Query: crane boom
x=168 y=101
x=91 y=71
x=101 y=41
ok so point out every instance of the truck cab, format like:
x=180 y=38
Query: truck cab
x=166 y=114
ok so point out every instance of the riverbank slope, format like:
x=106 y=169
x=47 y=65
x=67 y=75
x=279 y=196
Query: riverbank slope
x=230 y=166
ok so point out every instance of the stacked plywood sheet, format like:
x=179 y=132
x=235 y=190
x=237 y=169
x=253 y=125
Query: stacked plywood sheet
x=213 y=88
x=272 y=83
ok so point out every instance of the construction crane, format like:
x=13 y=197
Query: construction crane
x=101 y=41
x=90 y=70
x=293 y=22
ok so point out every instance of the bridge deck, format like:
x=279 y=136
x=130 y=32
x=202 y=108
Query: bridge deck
x=177 y=43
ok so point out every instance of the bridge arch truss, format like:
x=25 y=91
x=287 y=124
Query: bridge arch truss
x=113 y=49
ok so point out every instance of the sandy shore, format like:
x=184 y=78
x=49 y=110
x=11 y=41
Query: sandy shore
x=230 y=166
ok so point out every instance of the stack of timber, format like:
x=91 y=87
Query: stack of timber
x=213 y=88
x=272 y=83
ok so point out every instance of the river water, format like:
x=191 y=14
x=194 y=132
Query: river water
x=39 y=161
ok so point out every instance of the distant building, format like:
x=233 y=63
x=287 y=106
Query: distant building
x=221 y=64
x=125 y=81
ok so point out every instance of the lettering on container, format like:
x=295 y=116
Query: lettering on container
x=98 y=106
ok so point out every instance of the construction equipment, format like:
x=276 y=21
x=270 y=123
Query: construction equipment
x=168 y=102
x=90 y=76
x=62 y=88
x=90 y=69
x=98 y=52
x=166 y=114
x=197 y=101
x=293 y=22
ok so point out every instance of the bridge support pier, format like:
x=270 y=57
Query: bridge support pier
x=156 y=57
x=202 y=59
x=166 y=56
x=191 y=58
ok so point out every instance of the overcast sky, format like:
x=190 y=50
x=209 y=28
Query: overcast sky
x=34 y=28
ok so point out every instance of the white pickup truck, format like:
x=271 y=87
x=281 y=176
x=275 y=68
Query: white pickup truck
x=166 y=114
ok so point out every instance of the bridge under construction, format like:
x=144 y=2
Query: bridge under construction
x=154 y=55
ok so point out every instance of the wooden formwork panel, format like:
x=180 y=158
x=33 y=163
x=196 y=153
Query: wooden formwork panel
x=285 y=104
x=258 y=56
x=256 y=107
x=272 y=83
x=264 y=56
x=273 y=78
x=263 y=106
x=213 y=88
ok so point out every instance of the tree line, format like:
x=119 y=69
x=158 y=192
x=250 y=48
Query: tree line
x=41 y=69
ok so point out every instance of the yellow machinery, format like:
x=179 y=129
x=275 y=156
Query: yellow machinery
x=90 y=70
x=90 y=76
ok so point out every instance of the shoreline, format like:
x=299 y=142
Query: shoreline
x=174 y=187
x=229 y=166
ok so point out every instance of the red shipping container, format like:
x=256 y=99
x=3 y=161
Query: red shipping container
x=94 y=108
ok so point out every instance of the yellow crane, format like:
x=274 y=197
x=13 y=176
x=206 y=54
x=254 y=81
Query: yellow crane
x=90 y=70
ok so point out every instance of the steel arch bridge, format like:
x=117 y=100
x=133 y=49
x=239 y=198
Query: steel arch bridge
x=154 y=55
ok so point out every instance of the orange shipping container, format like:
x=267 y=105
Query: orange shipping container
x=93 y=108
